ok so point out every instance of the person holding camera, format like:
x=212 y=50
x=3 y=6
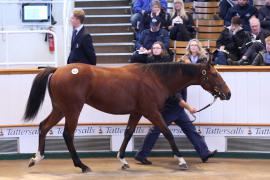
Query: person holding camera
x=181 y=28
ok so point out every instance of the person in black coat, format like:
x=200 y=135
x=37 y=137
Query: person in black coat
x=156 y=12
x=158 y=54
x=244 y=10
x=226 y=5
x=257 y=43
x=264 y=15
x=82 y=50
x=181 y=28
x=230 y=41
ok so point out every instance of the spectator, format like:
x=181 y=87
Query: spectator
x=264 y=15
x=147 y=39
x=158 y=53
x=156 y=11
x=181 y=28
x=141 y=7
x=263 y=57
x=195 y=53
x=230 y=42
x=82 y=50
x=244 y=10
x=225 y=5
x=256 y=44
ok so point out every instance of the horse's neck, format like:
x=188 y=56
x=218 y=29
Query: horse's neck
x=180 y=81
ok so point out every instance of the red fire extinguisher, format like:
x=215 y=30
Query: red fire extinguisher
x=51 y=42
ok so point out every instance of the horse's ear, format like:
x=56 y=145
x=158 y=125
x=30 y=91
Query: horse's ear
x=210 y=58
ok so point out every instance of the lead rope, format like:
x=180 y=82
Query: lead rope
x=207 y=106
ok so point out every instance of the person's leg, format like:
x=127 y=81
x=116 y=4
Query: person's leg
x=148 y=143
x=135 y=20
x=150 y=140
x=251 y=52
x=221 y=58
x=195 y=138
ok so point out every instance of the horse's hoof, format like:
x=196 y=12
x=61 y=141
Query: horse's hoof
x=125 y=166
x=31 y=163
x=86 y=170
x=183 y=166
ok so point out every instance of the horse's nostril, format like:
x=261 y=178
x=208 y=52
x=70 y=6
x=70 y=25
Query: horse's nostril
x=228 y=96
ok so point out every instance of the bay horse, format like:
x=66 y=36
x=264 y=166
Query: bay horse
x=135 y=89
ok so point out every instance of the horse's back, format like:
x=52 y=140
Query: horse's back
x=112 y=90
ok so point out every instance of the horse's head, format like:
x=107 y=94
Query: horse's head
x=212 y=82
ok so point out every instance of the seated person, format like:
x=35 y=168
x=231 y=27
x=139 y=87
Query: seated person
x=140 y=7
x=230 y=41
x=264 y=15
x=263 y=57
x=156 y=11
x=225 y=5
x=195 y=52
x=158 y=54
x=256 y=44
x=147 y=39
x=244 y=10
x=181 y=28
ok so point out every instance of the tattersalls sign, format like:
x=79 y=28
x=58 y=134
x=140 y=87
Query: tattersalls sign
x=140 y=130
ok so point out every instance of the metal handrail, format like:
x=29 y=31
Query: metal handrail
x=27 y=32
x=27 y=1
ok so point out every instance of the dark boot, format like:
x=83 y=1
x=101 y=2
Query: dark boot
x=258 y=60
x=142 y=160
x=210 y=155
x=240 y=62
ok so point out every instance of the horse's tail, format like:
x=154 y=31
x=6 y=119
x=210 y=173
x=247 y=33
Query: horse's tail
x=37 y=93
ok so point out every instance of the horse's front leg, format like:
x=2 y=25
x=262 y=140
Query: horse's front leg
x=157 y=120
x=132 y=123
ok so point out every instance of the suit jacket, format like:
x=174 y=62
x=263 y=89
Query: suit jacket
x=82 y=50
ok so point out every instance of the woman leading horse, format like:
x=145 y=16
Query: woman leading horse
x=136 y=89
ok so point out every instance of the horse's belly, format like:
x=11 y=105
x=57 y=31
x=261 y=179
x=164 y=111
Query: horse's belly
x=112 y=106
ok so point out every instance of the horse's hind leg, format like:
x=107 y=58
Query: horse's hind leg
x=132 y=123
x=70 y=126
x=157 y=120
x=54 y=117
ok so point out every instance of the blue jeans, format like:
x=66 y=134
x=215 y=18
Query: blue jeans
x=187 y=127
x=135 y=20
x=221 y=58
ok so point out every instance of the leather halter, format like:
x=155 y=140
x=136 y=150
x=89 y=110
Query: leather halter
x=204 y=80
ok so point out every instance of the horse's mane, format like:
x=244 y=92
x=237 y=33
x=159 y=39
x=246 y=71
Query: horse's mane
x=167 y=69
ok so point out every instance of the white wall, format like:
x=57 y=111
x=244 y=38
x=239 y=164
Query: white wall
x=28 y=47
x=249 y=102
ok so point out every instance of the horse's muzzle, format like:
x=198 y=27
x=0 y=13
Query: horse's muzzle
x=223 y=96
x=228 y=95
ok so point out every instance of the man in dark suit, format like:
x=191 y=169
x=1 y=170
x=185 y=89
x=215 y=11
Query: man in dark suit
x=82 y=50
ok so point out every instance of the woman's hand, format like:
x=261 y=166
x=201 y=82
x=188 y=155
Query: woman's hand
x=192 y=110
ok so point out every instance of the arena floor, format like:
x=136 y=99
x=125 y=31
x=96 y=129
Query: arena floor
x=162 y=169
